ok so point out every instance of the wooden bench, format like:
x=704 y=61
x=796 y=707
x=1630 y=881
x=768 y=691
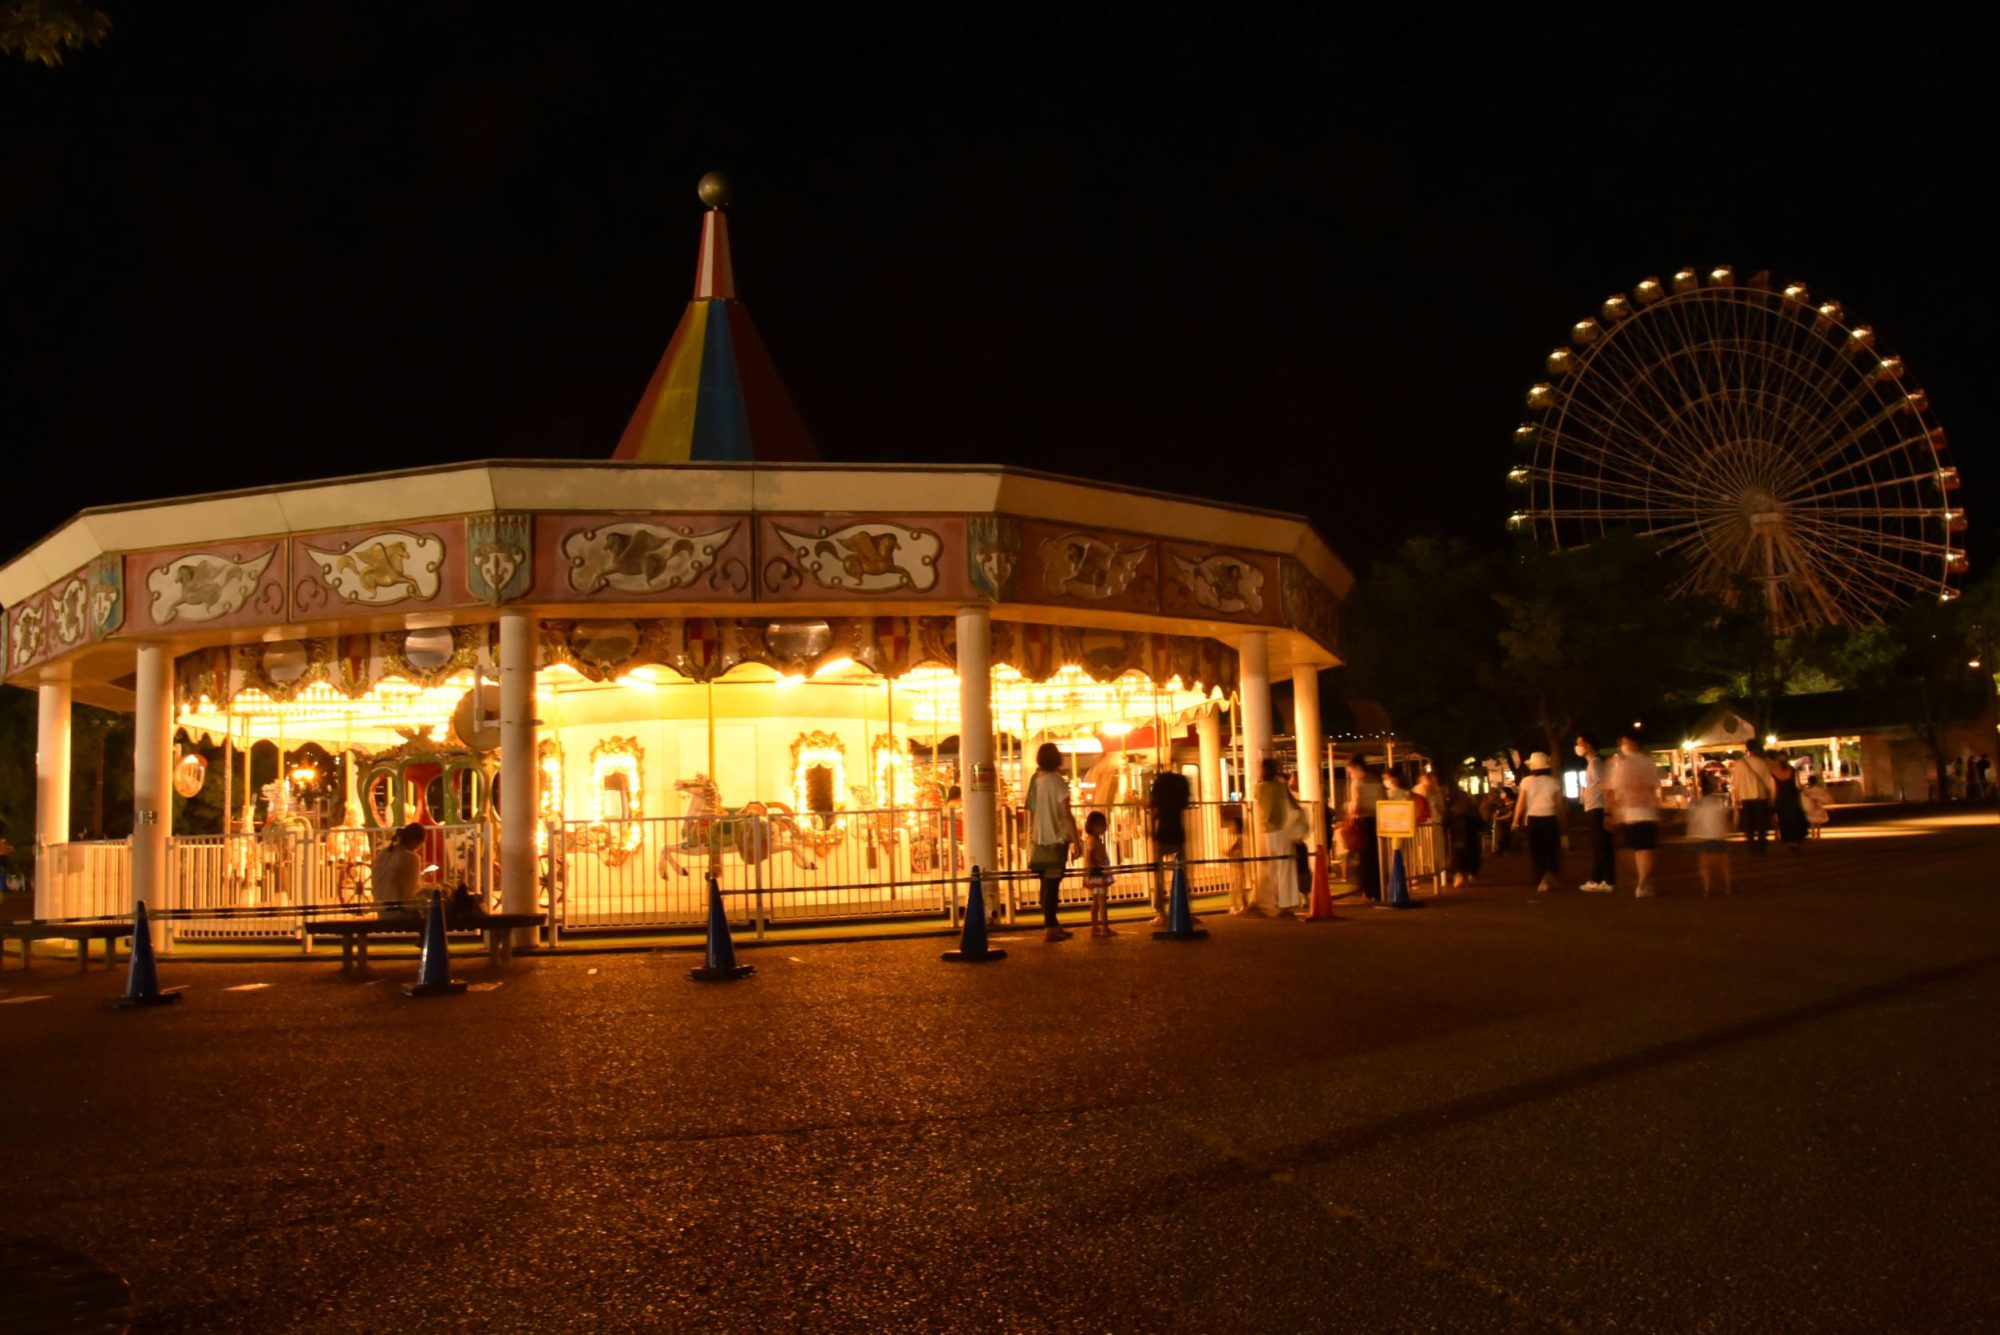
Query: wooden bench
x=356 y=933
x=83 y=933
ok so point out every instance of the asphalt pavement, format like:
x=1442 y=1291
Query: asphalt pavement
x=1502 y=1110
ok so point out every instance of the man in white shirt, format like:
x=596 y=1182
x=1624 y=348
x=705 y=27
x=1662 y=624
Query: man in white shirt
x=1751 y=788
x=1635 y=792
x=1604 y=867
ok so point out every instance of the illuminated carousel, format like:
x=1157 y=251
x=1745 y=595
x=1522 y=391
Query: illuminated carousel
x=596 y=682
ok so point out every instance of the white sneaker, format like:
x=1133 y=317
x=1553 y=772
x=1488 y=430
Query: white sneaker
x=1598 y=887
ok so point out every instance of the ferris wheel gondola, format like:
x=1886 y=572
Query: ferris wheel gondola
x=1760 y=436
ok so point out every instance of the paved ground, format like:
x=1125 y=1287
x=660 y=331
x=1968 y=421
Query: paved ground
x=1776 y=1112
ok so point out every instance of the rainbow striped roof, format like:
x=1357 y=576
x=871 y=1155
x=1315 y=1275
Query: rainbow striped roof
x=716 y=395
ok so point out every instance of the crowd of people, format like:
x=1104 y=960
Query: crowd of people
x=1618 y=796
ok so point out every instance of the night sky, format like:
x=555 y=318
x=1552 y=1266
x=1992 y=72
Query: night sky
x=1310 y=261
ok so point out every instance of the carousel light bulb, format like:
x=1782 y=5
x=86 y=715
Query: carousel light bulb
x=1721 y=275
x=1686 y=279
x=833 y=666
x=1795 y=291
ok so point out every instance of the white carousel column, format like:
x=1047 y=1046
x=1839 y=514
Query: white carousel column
x=52 y=752
x=519 y=771
x=1208 y=734
x=152 y=777
x=1311 y=742
x=977 y=775
x=1254 y=685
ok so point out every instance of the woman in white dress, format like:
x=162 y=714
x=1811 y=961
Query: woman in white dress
x=1281 y=821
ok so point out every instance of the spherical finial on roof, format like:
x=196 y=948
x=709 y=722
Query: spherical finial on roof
x=714 y=190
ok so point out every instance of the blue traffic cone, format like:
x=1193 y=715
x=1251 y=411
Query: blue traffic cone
x=434 y=963
x=1399 y=884
x=972 y=947
x=142 y=980
x=720 y=965
x=1180 y=916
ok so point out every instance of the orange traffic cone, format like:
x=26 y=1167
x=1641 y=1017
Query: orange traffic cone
x=1321 y=908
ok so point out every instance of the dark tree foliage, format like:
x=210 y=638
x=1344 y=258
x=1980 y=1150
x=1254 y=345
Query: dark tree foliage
x=1930 y=666
x=1421 y=635
x=1474 y=652
x=43 y=31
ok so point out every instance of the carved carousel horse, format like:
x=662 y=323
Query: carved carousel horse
x=753 y=831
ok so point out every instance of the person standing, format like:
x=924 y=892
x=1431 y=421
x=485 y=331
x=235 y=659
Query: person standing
x=1813 y=797
x=1539 y=808
x=1433 y=849
x=1279 y=823
x=1169 y=803
x=1751 y=788
x=1635 y=795
x=1603 y=862
x=1708 y=827
x=1468 y=832
x=1789 y=806
x=1051 y=833
x=1097 y=874
x=1364 y=783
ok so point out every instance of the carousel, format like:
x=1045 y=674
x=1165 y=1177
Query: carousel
x=597 y=683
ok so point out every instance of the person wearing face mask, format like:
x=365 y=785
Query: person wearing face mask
x=1603 y=863
x=1635 y=790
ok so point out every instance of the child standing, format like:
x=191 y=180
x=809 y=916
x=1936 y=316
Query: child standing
x=1097 y=875
x=1708 y=826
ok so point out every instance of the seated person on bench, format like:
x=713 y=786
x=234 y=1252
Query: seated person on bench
x=395 y=883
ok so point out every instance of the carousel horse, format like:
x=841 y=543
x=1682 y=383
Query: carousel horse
x=753 y=831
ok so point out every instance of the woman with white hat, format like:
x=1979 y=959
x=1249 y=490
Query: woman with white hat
x=1539 y=807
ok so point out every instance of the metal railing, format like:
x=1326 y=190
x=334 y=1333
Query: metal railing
x=852 y=864
x=640 y=874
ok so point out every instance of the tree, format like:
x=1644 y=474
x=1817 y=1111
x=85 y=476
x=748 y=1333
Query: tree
x=1592 y=637
x=1919 y=667
x=1420 y=634
x=44 y=30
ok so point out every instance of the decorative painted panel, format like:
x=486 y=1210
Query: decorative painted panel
x=1083 y=567
x=229 y=584
x=107 y=596
x=499 y=565
x=993 y=555
x=642 y=558
x=351 y=569
x=820 y=557
x=1309 y=606
x=28 y=632
x=1208 y=582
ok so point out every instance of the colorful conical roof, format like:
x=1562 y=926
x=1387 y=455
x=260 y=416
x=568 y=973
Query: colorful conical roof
x=715 y=396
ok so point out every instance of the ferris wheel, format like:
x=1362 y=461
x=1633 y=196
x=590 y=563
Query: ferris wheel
x=1758 y=436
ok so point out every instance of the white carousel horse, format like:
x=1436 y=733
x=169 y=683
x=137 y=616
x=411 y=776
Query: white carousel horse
x=753 y=831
